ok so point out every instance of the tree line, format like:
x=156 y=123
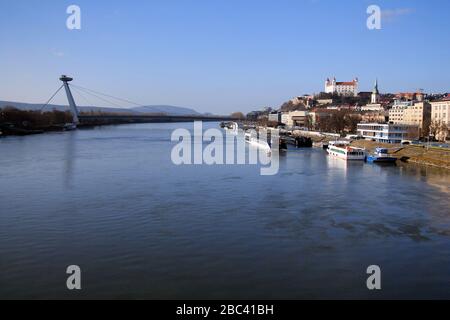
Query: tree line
x=33 y=119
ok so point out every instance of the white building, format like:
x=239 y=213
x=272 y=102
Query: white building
x=440 y=111
x=387 y=132
x=372 y=107
x=440 y=117
x=342 y=88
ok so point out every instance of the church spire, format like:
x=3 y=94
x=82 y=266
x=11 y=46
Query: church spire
x=375 y=93
x=375 y=89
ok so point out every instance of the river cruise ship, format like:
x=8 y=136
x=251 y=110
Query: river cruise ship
x=344 y=151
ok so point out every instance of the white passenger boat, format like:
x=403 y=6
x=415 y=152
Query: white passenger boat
x=232 y=127
x=344 y=151
x=254 y=140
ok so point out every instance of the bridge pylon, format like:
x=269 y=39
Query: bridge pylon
x=73 y=107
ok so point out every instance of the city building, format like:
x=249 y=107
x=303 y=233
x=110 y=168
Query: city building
x=342 y=88
x=388 y=132
x=408 y=112
x=420 y=115
x=322 y=102
x=397 y=111
x=275 y=117
x=440 y=118
x=372 y=107
x=440 y=110
x=365 y=95
x=295 y=118
x=375 y=117
x=318 y=115
x=410 y=96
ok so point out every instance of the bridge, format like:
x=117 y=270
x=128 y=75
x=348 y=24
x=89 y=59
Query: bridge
x=92 y=120
x=110 y=117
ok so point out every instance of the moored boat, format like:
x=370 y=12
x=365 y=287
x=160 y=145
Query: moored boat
x=253 y=139
x=232 y=127
x=381 y=155
x=346 y=152
x=69 y=127
x=299 y=142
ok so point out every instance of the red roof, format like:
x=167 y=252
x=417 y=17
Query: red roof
x=446 y=98
x=346 y=83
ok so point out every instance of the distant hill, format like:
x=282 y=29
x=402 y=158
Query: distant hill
x=170 y=110
x=166 y=109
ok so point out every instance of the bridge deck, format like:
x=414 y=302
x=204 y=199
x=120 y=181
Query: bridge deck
x=121 y=119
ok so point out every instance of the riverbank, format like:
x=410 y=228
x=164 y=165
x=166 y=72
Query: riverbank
x=414 y=154
x=15 y=122
x=433 y=156
x=9 y=129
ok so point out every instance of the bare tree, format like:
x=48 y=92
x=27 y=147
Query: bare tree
x=439 y=130
x=238 y=115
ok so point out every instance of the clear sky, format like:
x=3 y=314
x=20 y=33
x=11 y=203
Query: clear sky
x=221 y=56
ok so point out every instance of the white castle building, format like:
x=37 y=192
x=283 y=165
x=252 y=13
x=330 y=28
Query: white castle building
x=342 y=88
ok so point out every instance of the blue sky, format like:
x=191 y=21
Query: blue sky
x=220 y=56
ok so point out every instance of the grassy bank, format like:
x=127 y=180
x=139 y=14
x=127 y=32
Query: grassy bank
x=435 y=157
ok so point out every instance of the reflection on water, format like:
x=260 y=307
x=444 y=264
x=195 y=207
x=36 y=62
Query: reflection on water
x=341 y=166
x=111 y=201
x=70 y=156
x=436 y=177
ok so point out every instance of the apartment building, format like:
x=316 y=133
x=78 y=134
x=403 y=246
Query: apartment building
x=397 y=111
x=419 y=115
x=440 y=111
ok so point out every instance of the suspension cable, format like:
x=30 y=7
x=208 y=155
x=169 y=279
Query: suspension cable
x=51 y=98
x=89 y=103
x=97 y=96
x=110 y=96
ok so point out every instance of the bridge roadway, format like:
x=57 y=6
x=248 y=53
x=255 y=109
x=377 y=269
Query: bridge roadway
x=123 y=119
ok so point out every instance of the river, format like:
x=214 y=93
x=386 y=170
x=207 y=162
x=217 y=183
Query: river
x=111 y=201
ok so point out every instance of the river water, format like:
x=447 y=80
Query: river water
x=110 y=201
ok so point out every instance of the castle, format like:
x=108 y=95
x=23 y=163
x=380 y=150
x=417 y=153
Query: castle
x=342 y=88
